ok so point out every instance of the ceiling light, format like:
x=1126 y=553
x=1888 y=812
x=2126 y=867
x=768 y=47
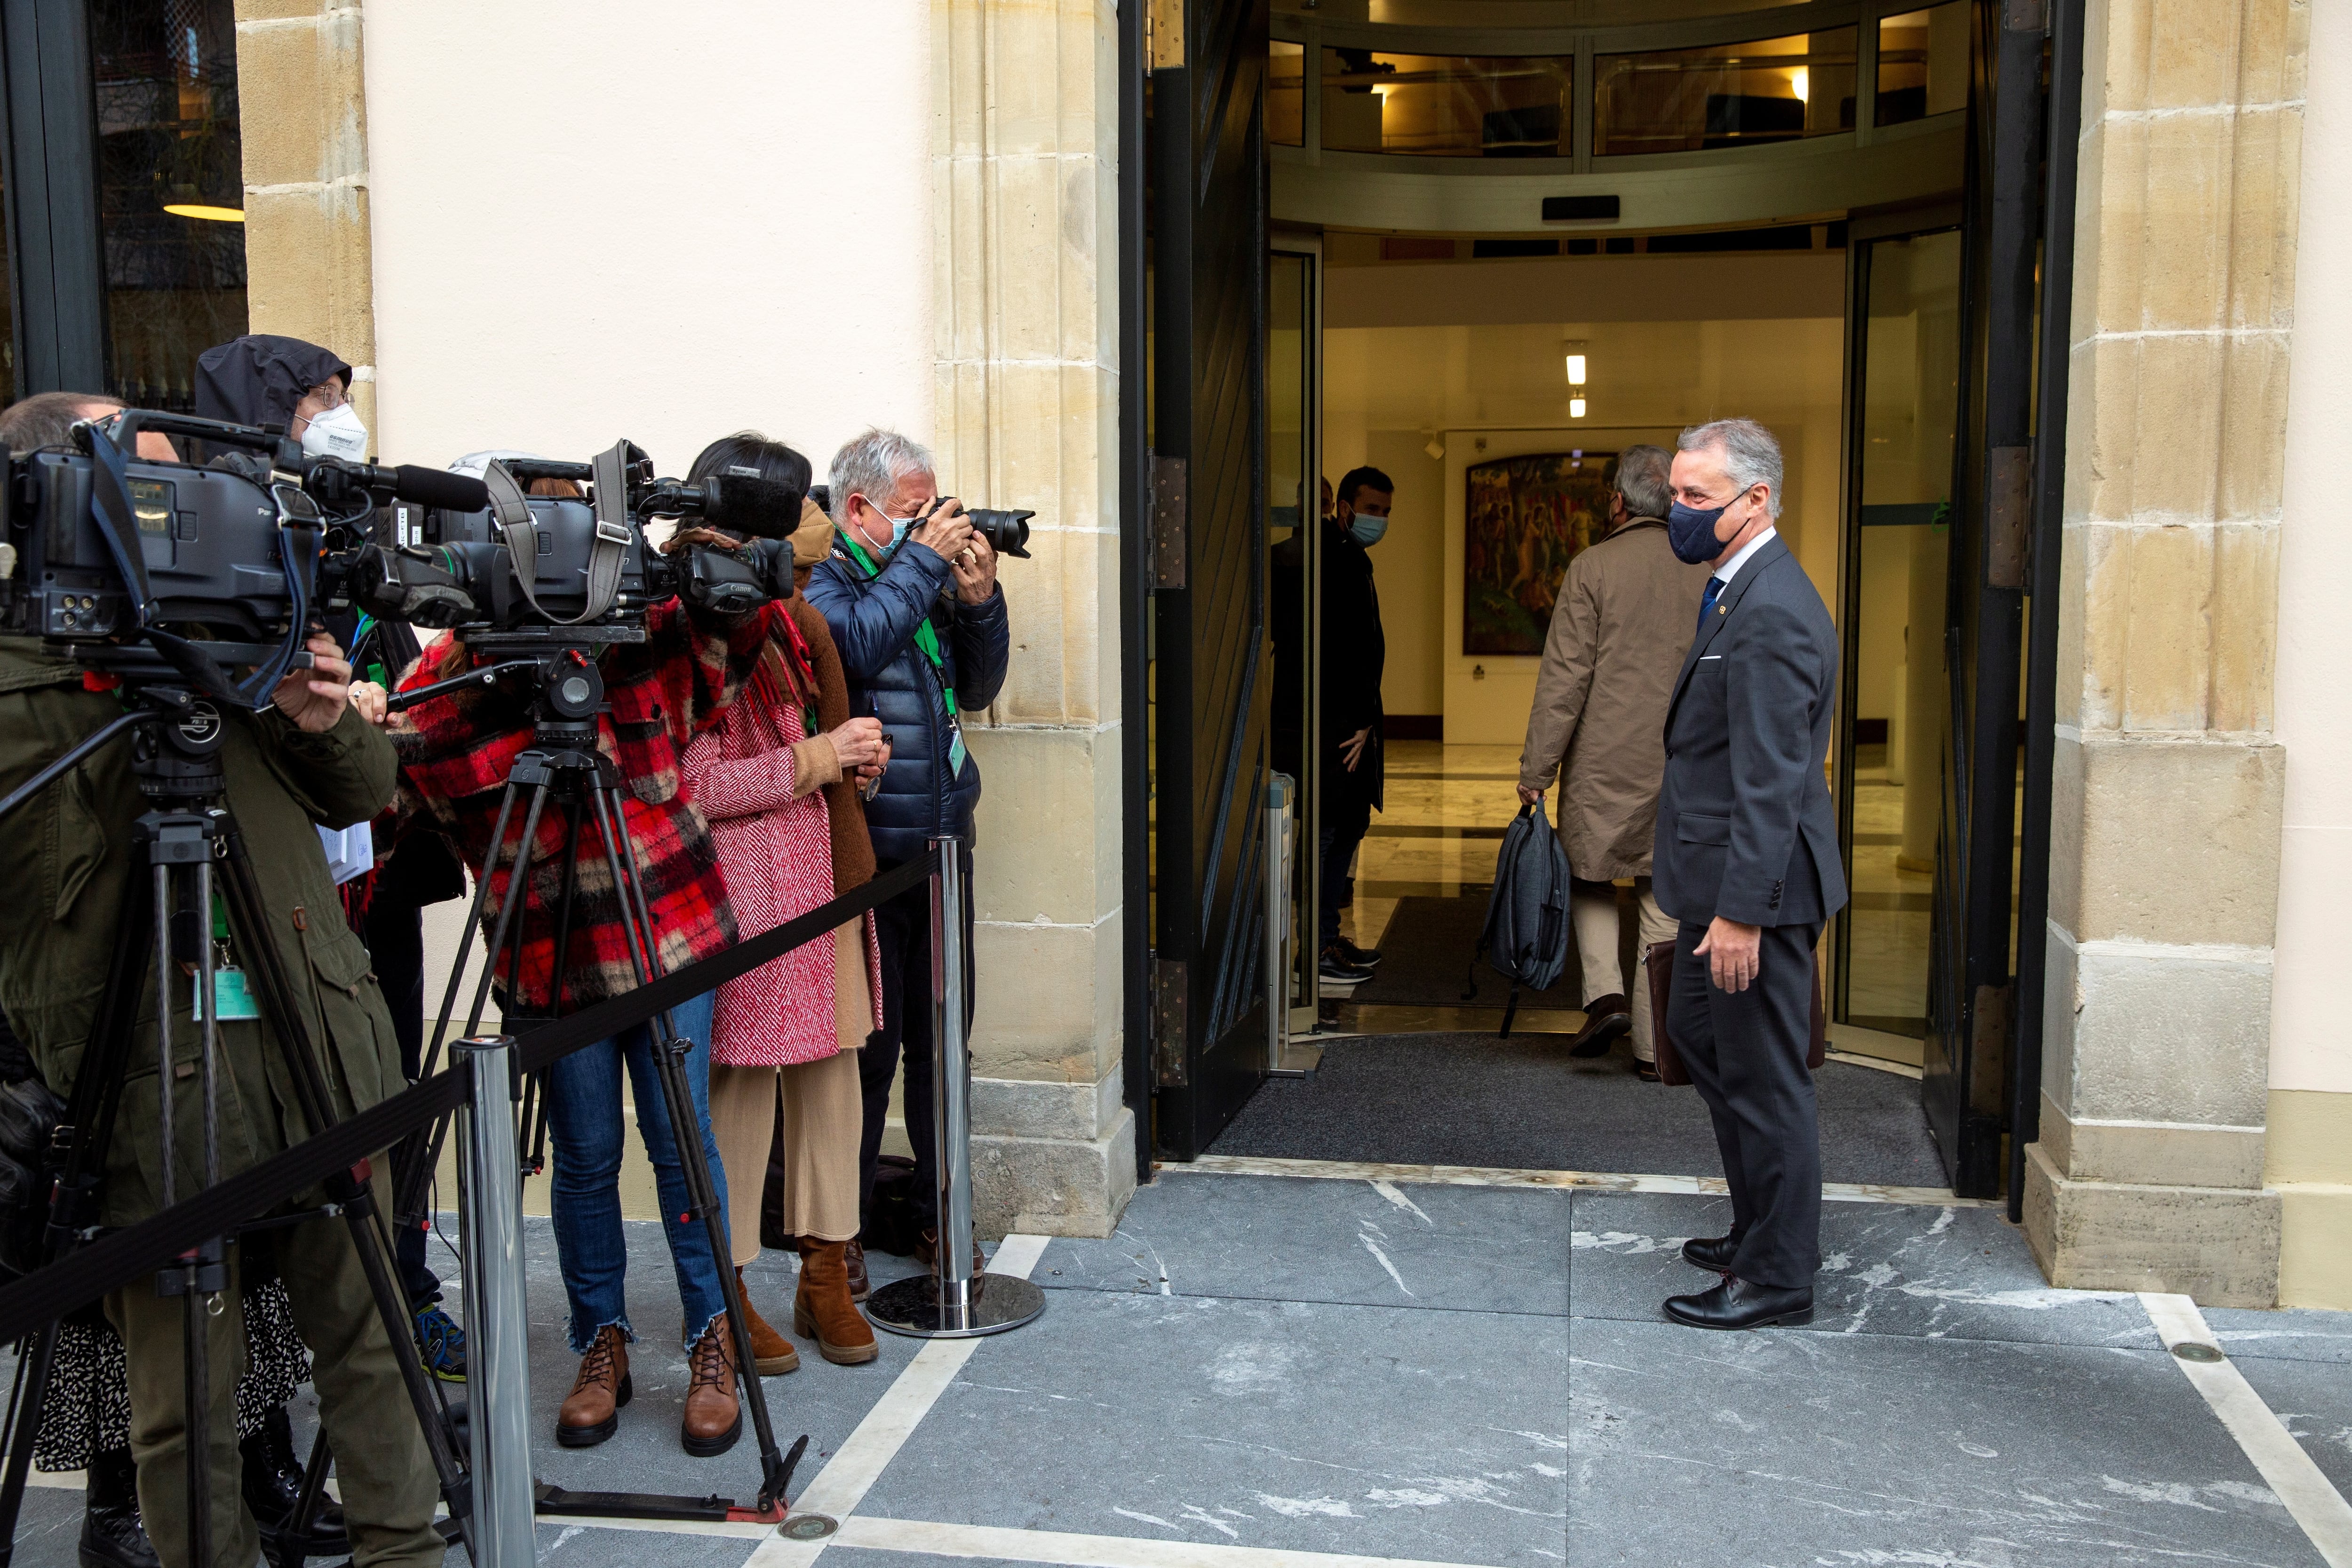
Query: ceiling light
x=210 y=214
x=1435 y=448
x=1576 y=408
x=1801 y=83
x=1576 y=370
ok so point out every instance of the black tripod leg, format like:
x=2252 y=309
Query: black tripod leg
x=294 y=1530
x=249 y=925
x=686 y=1132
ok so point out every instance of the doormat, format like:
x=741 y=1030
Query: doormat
x=1425 y=957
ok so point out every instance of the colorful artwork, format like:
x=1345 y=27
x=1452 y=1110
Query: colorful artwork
x=1527 y=518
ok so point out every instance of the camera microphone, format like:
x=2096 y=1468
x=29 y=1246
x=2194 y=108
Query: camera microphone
x=745 y=504
x=435 y=488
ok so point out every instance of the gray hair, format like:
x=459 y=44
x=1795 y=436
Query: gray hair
x=1751 y=455
x=1642 y=479
x=48 y=418
x=872 y=465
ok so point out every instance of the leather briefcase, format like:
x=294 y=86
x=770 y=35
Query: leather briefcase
x=1660 y=964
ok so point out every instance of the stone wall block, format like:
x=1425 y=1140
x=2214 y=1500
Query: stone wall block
x=960 y=71
x=1029 y=78
x=1027 y=1108
x=2266 y=193
x=1089 y=69
x=2184 y=276
x=307 y=268
x=2066 y=824
x=2167 y=658
x=2193 y=60
x=1041 y=790
x=2160 y=1036
x=963 y=294
x=2246 y=625
x=2108 y=268
x=2176 y=438
x=2101 y=428
x=2210 y=873
x=2219 y=1247
x=1039 y=1186
x=2144 y=1152
x=285 y=10
x=1024 y=216
x=2092 y=193
x=2273 y=38
x=2073 y=649
x=2253 y=426
x=309 y=78
x=1089 y=257
x=1048 y=995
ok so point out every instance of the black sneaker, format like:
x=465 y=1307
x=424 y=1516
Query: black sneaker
x=1336 y=970
x=1359 y=957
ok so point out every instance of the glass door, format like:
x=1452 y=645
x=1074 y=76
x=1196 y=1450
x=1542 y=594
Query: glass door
x=1294 y=408
x=1904 y=422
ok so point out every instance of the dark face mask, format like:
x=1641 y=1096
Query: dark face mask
x=1691 y=532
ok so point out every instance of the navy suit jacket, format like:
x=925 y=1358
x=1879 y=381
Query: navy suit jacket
x=1745 y=826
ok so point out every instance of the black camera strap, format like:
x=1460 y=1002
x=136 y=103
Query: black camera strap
x=607 y=555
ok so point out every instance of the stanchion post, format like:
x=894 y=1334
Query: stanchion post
x=497 y=1342
x=962 y=1301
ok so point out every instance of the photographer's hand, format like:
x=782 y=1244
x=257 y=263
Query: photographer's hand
x=858 y=744
x=370 y=701
x=975 y=571
x=315 y=697
x=945 y=532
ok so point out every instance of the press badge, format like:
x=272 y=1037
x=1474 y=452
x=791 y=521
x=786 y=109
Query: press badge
x=235 y=1002
x=955 y=747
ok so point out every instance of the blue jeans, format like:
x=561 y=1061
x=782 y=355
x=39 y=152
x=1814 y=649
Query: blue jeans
x=584 y=1122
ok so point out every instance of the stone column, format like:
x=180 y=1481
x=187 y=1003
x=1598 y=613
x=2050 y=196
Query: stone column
x=1025 y=220
x=2166 y=815
x=303 y=119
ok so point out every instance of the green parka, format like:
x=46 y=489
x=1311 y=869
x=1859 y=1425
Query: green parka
x=64 y=858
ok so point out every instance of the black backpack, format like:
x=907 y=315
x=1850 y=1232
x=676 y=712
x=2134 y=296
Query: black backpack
x=1525 y=937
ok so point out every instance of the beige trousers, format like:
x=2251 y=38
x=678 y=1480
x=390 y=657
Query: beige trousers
x=821 y=1111
x=1592 y=908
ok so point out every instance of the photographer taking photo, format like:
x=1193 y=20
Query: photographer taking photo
x=305 y=759
x=455 y=752
x=911 y=596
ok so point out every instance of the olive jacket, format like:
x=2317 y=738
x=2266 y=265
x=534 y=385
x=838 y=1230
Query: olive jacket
x=65 y=859
x=1626 y=612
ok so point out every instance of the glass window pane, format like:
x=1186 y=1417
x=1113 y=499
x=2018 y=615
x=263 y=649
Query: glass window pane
x=1455 y=106
x=1285 y=93
x=173 y=198
x=1725 y=95
x=1923 y=63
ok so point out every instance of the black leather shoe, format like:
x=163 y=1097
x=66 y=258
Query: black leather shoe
x=1710 y=1252
x=273 y=1485
x=1737 y=1304
x=1605 y=1019
x=1337 y=971
x=1357 y=957
x=111 y=1535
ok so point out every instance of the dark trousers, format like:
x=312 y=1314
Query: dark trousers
x=1746 y=1054
x=902 y=930
x=1347 y=816
x=395 y=945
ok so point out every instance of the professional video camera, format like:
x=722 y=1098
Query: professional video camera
x=578 y=569
x=1007 y=532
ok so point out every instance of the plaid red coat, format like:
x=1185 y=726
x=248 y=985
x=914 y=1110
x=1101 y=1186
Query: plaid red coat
x=454 y=752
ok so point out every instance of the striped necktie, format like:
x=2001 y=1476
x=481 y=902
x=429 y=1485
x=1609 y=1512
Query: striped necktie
x=1707 y=600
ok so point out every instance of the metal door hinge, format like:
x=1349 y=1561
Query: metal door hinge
x=1167 y=522
x=2025 y=16
x=2009 y=516
x=1169 y=995
x=1163 y=34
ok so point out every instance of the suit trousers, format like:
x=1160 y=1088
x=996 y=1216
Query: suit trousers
x=1592 y=910
x=1746 y=1054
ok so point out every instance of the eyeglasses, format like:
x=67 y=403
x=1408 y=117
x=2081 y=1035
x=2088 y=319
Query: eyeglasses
x=329 y=394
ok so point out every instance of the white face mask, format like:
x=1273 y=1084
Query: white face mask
x=337 y=432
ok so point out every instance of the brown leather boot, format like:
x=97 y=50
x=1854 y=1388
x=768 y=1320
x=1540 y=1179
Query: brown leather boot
x=714 y=1415
x=854 y=1254
x=772 y=1353
x=823 y=1309
x=592 y=1412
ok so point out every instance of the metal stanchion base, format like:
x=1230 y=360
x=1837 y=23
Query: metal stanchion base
x=912 y=1306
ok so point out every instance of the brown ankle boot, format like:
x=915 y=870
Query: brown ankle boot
x=854 y=1254
x=714 y=1415
x=822 y=1310
x=772 y=1353
x=592 y=1411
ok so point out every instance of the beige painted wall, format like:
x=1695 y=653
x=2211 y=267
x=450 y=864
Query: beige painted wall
x=2309 y=1153
x=587 y=228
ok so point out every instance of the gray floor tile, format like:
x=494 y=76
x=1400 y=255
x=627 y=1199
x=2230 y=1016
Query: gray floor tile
x=1498 y=1249
x=1886 y=1269
x=2315 y=1402
x=48 y=1528
x=1311 y=1427
x=585 y=1546
x=2289 y=1334
x=1788 y=1447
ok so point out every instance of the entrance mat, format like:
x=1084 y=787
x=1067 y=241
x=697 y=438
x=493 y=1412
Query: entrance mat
x=1426 y=954
x=1473 y=1099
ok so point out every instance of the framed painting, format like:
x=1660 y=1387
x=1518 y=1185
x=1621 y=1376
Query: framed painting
x=1527 y=517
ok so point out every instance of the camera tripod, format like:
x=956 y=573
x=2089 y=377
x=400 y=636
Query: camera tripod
x=187 y=851
x=562 y=767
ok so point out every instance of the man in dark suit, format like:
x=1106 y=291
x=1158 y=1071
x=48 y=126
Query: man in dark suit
x=1745 y=862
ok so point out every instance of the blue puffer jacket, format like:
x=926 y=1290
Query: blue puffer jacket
x=873 y=623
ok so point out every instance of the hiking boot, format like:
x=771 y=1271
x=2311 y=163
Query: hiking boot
x=772 y=1353
x=823 y=1307
x=111 y=1535
x=272 y=1485
x=854 y=1256
x=592 y=1412
x=714 y=1415
x=440 y=1344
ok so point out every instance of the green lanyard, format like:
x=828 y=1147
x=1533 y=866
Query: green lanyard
x=927 y=637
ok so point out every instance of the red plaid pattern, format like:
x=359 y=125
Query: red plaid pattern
x=455 y=752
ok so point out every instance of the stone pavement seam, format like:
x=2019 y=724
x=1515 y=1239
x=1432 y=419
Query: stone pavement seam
x=2292 y=1474
x=1576 y=1180
x=1092 y=1551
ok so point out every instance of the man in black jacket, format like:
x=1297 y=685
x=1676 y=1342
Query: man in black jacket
x=1746 y=860
x=1353 y=652
x=910 y=597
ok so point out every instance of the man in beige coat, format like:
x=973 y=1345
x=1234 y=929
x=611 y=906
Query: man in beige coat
x=1623 y=623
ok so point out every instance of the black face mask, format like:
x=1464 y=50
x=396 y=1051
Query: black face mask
x=1691 y=532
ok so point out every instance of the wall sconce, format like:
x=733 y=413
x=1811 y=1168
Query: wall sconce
x=1801 y=83
x=1435 y=448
